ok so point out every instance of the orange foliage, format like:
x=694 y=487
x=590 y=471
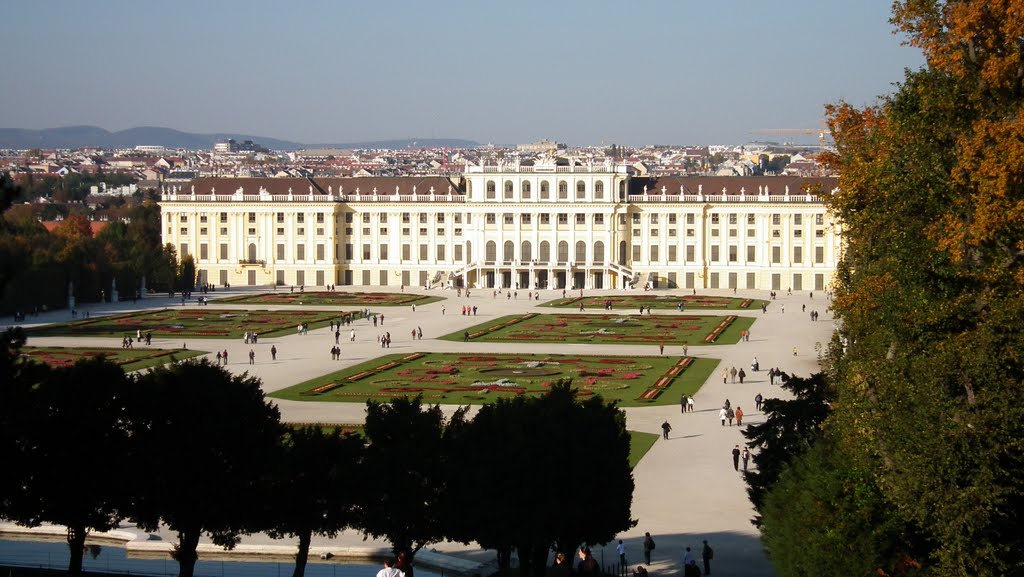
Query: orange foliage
x=74 y=227
x=968 y=37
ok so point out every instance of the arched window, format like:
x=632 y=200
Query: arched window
x=490 y=190
x=563 y=251
x=525 y=188
x=599 y=252
x=526 y=253
x=545 y=190
x=545 y=251
x=469 y=251
x=563 y=190
x=622 y=253
x=508 y=251
x=469 y=188
x=508 y=190
x=491 y=251
x=252 y=252
x=581 y=252
x=581 y=189
x=599 y=189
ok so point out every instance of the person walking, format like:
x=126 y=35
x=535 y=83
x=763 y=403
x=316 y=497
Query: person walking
x=218 y=358
x=665 y=429
x=683 y=400
x=732 y=373
x=252 y=357
x=729 y=414
x=621 y=549
x=723 y=415
x=661 y=349
x=707 y=554
x=689 y=404
x=273 y=352
x=352 y=335
x=739 y=416
x=758 y=399
x=725 y=376
x=225 y=355
x=746 y=457
x=648 y=547
x=741 y=375
x=736 y=457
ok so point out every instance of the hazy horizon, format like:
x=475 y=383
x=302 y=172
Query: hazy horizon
x=576 y=72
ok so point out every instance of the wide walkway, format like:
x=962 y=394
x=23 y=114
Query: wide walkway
x=686 y=488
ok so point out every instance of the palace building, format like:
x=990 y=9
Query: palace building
x=552 y=223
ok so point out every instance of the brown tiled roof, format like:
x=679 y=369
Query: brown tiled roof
x=731 y=184
x=381 y=185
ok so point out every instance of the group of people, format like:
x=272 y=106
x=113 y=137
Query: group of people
x=690 y=568
x=733 y=373
x=469 y=310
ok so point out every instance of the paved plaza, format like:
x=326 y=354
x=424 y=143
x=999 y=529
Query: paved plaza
x=686 y=490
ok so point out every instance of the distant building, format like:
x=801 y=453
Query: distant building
x=543 y=147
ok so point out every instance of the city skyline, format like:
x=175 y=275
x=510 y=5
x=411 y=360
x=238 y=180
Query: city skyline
x=576 y=72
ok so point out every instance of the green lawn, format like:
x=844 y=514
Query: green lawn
x=324 y=298
x=129 y=359
x=632 y=303
x=468 y=379
x=609 y=328
x=192 y=322
x=639 y=444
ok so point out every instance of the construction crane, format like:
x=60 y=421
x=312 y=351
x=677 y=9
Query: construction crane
x=821 y=132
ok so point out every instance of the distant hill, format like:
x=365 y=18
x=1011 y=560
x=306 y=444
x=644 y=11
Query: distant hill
x=85 y=136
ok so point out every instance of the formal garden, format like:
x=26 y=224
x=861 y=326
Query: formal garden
x=632 y=302
x=332 y=298
x=128 y=359
x=192 y=322
x=449 y=378
x=609 y=328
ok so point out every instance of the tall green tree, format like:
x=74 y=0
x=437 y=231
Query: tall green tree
x=205 y=440
x=79 y=434
x=528 y=480
x=316 y=487
x=407 y=458
x=931 y=201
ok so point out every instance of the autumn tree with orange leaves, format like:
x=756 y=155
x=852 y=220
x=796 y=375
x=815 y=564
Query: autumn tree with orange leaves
x=930 y=383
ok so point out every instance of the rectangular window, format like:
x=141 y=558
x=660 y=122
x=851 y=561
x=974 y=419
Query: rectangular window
x=714 y=218
x=819 y=254
x=300 y=252
x=203 y=231
x=458 y=252
x=714 y=253
x=366 y=252
x=184 y=230
x=732 y=232
x=320 y=252
x=776 y=254
x=252 y=231
x=671 y=219
x=798 y=219
x=320 y=231
x=776 y=219
x=819 y=219
x=280 y=252
x=280 y=231
x=458 y=219
x=636 y=218
x=689 y=232
x=203 y=251
x=489 y=218
x=636 y=232
x=654 y=253
x=798 y=254
x=598 y=219
x=223 y=218
x=406 y=251
x=458 y=232
x=508 y=219
x=280 y=217
x=819 y=233
x=423 y=232
x=798 y=233
x=563 y=218
x=732 y=218
x=183 y=251
x=733 y=250
x=440 y=232
x=581 y=219
x=714 y=232
x=636 y=253
x=405 y=231
x=383 y=252
x=671 y=232
x=423 y=218
x=654 y=219
x=751 y=232
x=672 y=251
x=751 y=253
x=300 y=218
x=423 y=252
x=440 y=252
x=689 y=218
x=184 y=218
x=654 y=232
x=383 y=231
x=690 y=253
x=366 y=218
x=349 y=250
x=750 y=219
x=440 y=219
x=405 y=217
x=383 y=217
x=545 y=219
x=366 y=231
x=526 y=218
x=224 y=252
x=348 y=218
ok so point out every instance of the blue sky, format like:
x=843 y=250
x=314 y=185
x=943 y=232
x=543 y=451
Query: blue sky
x=581 y=72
